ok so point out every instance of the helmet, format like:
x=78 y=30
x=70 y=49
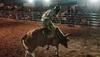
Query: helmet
x=57 y=8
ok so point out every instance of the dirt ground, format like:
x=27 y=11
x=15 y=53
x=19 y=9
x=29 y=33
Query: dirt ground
x=84 y=40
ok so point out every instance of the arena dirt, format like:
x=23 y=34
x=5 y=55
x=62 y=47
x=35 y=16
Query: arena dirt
x=84 y=42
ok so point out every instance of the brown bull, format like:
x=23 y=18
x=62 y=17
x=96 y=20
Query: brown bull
x=40 y=38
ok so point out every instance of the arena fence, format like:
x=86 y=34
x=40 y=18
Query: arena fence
x=91 y=19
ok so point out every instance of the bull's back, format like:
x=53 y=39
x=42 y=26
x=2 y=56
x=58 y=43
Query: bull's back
x=29 y=40
x=33 y=39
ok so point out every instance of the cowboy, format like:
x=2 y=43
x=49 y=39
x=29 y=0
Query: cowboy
x=47 y=23
x=48 y=16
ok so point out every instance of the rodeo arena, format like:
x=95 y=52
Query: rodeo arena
x=49 y=28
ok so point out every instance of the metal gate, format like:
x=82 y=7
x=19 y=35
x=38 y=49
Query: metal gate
x=94 y=19
x=89 y=19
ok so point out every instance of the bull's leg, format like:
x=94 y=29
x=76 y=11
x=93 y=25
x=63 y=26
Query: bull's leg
x=28 y=54
x=33 y=54
x=57 y=50
x=48 y=47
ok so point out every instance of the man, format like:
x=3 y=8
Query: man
x=47 y=23
x=48 y=16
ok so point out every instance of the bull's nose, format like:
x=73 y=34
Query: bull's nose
x=66 y=46
x=67 y=43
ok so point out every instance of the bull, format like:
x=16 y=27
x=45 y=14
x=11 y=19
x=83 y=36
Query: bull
x=36 y=38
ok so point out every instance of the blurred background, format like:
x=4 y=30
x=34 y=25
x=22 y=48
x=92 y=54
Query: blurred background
x=79 y=18
x=85 y=12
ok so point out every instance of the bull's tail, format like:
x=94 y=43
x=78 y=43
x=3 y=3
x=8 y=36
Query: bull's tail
x=23 y=42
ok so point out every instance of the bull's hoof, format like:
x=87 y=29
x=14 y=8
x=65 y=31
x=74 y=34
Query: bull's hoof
x=47 y=48
x=56 y=55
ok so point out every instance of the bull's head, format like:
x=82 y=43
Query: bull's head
x=66 y=40
x=63 y=39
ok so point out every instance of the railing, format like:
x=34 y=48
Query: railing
x=90 y=19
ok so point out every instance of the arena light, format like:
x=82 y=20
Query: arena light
x=30 y=1
x=93 y=1
x=94 y=4
x=46 y=3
